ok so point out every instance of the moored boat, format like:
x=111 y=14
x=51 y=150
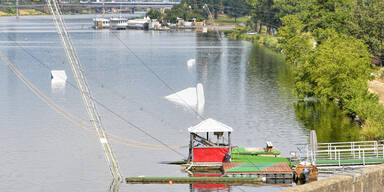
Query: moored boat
x=118 y=23
x=101 y=23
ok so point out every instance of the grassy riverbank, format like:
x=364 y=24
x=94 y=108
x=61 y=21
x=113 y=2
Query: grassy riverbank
x=262 y=39
x=26 y=12
x=22 y=12
x=224 y=19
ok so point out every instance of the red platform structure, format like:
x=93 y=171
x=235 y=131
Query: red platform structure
x=203 y=148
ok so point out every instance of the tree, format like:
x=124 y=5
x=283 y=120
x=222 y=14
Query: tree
x=154 y=14
x=235 y=8
x=294 y=42
x=367 y=23
x=318 y=13
x=339 y=69
x=264 y=13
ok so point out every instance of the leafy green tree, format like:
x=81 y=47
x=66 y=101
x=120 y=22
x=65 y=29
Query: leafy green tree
x=235 y=8
x=338 y=69
x=264 y=13
x=289 y=7
x=367 y=23
x=154 y=14
x=318 y=13
x=294 y=43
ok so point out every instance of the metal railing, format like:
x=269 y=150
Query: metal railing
x=341 y=151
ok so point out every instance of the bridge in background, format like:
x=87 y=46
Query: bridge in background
x=125 y=4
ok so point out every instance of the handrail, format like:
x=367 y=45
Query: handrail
x=341 y=151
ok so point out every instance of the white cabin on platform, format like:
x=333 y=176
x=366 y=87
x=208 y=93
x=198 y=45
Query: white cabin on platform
x=203 y=148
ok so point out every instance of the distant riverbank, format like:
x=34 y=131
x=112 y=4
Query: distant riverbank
x=22 y=12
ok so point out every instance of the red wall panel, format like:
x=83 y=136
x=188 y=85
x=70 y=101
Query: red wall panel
x=209 y=154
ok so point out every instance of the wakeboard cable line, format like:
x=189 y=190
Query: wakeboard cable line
x=81 y=122
x=83 y=87
x=72 y=117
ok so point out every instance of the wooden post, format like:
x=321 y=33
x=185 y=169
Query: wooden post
x=190 y=147
x=229 y=143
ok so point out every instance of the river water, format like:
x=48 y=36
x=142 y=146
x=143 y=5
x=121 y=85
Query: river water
x=247 y=87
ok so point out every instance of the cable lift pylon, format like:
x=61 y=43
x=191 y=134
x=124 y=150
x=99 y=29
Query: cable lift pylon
x=212 y=21
x=83 y=87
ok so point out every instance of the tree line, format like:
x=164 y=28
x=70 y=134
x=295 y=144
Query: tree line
x=334 y=46
x=189 y=9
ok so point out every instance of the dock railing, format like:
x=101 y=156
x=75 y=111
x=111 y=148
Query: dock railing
x=346 y=153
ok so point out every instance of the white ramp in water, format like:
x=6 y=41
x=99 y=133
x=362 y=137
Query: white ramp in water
x=200 y=98
x=191 y=63
x=192 y=97
x=58 y=75
x=58 y=79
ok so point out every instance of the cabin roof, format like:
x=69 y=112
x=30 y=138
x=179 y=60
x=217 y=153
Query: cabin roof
x=210 y=125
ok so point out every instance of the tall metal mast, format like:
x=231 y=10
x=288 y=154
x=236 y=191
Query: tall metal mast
x=83 y=87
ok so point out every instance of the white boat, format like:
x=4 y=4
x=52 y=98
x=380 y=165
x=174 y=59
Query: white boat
x=139 y=23
x=100 y=23
x=118 y=23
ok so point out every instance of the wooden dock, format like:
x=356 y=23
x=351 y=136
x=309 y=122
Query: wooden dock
x=189 y=180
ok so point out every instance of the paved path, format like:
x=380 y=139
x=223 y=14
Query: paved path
x=377 y=86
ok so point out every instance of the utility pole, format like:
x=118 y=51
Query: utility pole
x=17 y=9
x=103 y=9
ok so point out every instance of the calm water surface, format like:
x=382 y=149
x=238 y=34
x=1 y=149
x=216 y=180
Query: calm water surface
x=246 y=87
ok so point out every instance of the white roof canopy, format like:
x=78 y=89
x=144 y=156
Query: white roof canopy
x=210 y=125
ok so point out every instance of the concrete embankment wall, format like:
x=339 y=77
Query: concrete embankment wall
x=369 y=180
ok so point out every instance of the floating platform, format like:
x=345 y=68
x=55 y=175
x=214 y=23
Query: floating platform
x=273 y=172
x=189 y=180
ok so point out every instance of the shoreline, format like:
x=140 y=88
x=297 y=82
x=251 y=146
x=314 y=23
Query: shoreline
x=375 y=86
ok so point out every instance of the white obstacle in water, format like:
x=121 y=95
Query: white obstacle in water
x=58 y=79
x=58 y=75
x=200 y=98
x=191 y=63
x=192 y=97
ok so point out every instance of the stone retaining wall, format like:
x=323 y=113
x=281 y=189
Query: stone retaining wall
x=369 y=180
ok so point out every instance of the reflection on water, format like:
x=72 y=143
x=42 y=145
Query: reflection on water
x=329 y=121
x=115 y=185
x=247 y=87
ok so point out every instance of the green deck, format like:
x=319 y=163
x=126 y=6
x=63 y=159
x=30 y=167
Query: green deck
x=238 y=158
x=242 y=150
x=250 y=167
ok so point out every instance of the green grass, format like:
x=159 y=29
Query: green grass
x=223 y=19
x=251 y=167
x=236 y=158
x=241 y=150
